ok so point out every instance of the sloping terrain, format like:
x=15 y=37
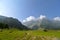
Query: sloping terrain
x=15 y=34
x=12 y=22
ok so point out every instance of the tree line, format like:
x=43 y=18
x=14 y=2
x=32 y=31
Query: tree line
x=4 y=26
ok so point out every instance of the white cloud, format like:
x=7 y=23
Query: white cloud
x=30 y=18
x=42 y=17
x=57 y=18
x=24 y=21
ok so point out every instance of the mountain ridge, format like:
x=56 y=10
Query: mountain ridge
x=43 y=23
x=12 y=22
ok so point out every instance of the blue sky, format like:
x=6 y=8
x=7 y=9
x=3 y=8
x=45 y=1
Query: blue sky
x=22 y=9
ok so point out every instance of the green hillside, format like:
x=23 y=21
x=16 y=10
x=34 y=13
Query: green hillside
x=15 y=34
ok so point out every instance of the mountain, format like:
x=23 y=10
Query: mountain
x=43 y=23
x=33 y=24
x=12 y=22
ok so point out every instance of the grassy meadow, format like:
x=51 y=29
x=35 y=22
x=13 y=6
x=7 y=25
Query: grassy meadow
x=14 y=34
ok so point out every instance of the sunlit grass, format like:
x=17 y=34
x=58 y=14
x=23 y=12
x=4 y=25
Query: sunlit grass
x=14 y=34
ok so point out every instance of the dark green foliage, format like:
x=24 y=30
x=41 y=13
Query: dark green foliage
x=6 y=26
x=45 y=30
x=3 y=26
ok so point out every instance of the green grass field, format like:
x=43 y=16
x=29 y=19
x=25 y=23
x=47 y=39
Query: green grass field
x=14 y=34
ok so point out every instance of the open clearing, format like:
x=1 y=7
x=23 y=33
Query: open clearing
x=14 y=34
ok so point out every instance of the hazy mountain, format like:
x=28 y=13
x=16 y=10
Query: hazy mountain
x=43 y=23
x=12 y=22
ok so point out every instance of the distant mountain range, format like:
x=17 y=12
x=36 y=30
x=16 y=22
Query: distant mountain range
x=12 y=22
x=33 y=24
x=43 y=23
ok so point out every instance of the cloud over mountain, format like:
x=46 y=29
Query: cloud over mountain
x=57 y=18
x=30 y=18
x=42 y=22
x=42 y=16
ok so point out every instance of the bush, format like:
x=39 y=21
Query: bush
x=45 y=30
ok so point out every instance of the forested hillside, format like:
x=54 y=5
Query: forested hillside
x=9 y=22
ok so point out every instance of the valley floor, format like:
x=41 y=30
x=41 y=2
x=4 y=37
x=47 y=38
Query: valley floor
x=14 y=34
